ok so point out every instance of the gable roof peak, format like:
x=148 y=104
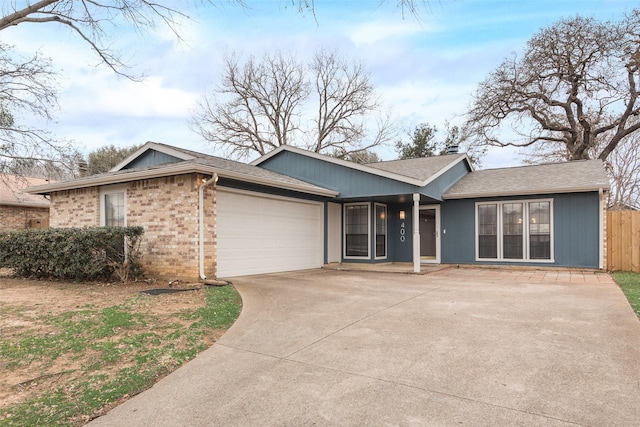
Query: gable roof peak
x=422 y=171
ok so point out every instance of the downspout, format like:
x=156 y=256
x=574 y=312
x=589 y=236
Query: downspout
x=212 y=180
x=601 y=214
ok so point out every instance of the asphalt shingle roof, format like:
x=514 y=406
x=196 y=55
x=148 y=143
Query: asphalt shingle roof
x=584 y=175
x=11 y=187
x=421 y=168
x=242 y=168
x=233 y=169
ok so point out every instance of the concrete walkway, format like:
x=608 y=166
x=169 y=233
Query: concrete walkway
x=471 y=347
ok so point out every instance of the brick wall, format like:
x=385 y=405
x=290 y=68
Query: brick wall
x=167 y=208
x=19 y=217
x=75 y=208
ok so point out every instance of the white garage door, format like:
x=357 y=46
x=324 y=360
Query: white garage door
x=262 y=234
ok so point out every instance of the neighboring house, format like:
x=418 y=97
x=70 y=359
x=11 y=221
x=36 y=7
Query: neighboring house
x=294 y=209
x=19 y=210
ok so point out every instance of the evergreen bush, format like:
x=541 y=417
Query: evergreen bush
x=98 y=253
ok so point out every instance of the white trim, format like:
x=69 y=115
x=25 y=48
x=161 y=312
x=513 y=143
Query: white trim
x=436 y=208
x=386 y=231
x=416 y=232
x=344 y=230
x=529 y=192
x=359 y=167
x=112 y=189
x=525 y=236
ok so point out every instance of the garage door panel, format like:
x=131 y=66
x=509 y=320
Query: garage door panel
x=261 y=234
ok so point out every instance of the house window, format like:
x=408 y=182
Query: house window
x=113 y=206
x=514 y=230
x=114 y=210
x=381 y=231
x=540 y=230
x=488 y=231
x=356 y=230
x=512 y=236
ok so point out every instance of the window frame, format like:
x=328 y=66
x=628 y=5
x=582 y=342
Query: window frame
x=386 y=230
x=344 y=231
x=526 y=241
x=110 y=190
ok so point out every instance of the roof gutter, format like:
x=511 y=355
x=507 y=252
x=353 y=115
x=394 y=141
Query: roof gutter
x=26 y=204
x=213 y=180
x=118 y=178
x=172 y=170
x=455 y=196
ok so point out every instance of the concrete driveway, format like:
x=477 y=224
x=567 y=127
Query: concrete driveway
x=455 y=347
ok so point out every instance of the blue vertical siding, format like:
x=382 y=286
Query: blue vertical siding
x=399 y=250
x=575 y=230
x=457 y=232
x=152 y=158
x=441 y=184
x=351 y=183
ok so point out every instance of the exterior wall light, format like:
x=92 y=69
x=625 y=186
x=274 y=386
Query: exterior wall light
x=401 y=214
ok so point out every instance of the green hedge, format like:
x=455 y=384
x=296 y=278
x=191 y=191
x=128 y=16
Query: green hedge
x=73 y=253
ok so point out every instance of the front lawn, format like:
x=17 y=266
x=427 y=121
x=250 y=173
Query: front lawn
x=630 y=284
x=70 y=352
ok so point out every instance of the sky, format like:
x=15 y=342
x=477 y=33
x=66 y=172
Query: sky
x=425 y=69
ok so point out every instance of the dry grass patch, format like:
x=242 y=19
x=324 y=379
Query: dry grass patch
x=69 y=352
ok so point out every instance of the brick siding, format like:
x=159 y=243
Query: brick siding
x=75 y=208
x=167 y=209
x=21 y=217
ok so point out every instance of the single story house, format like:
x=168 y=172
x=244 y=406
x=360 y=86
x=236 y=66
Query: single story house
x=19 y=210
x=292 y=209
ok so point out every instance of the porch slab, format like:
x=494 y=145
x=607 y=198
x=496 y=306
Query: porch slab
x=517 y=273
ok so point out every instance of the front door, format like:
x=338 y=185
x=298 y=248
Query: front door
x=429 y=228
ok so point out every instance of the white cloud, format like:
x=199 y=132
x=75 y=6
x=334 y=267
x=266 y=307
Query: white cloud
x=375 y=31
x=105 y=93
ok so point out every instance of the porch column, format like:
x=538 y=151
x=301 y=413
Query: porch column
x=416 y=233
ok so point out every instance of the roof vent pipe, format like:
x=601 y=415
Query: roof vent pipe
x=452 y=149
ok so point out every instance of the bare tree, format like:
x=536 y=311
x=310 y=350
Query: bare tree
x=94 y=21
x=623 y=167
x=28 y=85
x=576 y=81
x=27 y=88
x=255 y=107
x=346 y=97
x=262 y=105
x=97 y=21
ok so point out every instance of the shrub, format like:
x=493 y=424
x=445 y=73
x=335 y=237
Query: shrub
x=73 y=253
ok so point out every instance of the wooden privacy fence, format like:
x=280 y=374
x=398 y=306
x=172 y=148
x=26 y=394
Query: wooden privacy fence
x=623 y=240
